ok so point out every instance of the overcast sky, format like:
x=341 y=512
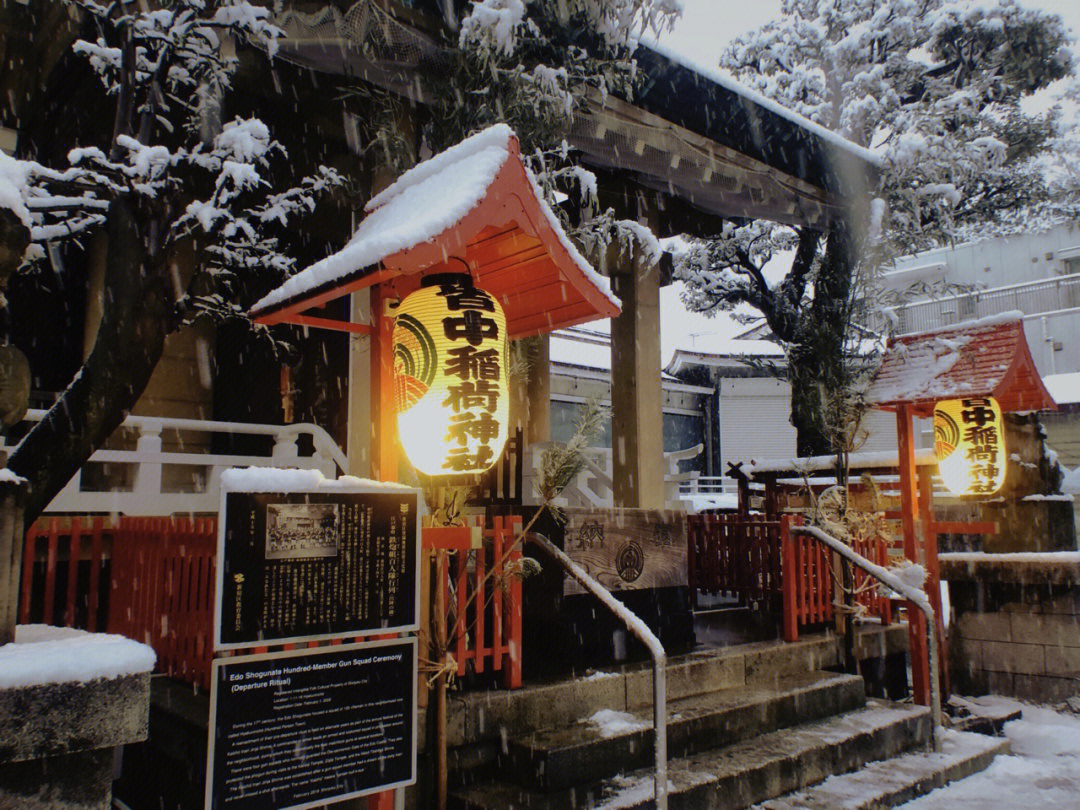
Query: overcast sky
x=701 y=34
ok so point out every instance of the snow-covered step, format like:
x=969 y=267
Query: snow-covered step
x=895 y=781
x=610 y=742
x=736 y=776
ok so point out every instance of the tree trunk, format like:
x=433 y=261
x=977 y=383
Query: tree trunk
x=817 y=367
x=129 y=343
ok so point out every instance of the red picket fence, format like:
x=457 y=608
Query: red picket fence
x=755 y=558
x=74 y=555
x=163 y=591
x=809 y=580
x=737 y=554
x=150 y=579
x=482 y=594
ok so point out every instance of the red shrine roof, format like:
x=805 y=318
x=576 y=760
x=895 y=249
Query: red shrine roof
x=475 y=203
x=987 y=357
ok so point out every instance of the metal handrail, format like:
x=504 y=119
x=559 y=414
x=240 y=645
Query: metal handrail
x=914 y=595
x=636 y=626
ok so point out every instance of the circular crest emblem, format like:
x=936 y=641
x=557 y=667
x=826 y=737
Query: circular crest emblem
x=629 y=562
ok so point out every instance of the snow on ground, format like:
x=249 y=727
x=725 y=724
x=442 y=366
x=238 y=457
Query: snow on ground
x=610 y=723
x=1043 y=771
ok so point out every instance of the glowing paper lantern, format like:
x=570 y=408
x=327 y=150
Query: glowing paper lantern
x=451 y=391
x=969 y=443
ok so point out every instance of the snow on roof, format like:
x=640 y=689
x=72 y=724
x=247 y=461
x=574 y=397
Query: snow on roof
x=985 y=357
x=274 y=479
x=586 y=349
x=454 y=205
x=43 y=655
x=729 y=83
x=420 y=205
x=1064 y=388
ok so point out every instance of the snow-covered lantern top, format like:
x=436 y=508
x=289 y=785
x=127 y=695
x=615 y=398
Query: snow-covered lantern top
x=475 y=208
x=450 y=379
x=969 y=444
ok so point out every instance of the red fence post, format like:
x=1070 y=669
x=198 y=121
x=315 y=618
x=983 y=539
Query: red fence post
x=512 y=674
x=789 y=577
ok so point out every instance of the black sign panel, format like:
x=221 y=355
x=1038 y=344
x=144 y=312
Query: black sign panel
x=298 y=566
x=306 y=727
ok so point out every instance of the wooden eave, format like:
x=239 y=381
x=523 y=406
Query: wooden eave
x=512 y=251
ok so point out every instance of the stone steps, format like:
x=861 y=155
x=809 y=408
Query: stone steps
x=893 y=782
x=560 y=758
x=739 y=775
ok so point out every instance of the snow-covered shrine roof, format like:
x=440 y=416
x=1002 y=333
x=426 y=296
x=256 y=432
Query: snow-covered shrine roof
x=475 y=202
x=987 y=357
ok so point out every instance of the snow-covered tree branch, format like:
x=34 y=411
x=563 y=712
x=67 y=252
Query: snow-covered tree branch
x=190 y=206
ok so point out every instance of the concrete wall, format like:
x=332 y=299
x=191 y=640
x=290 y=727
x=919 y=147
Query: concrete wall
x=1022 y=259
x=1016 y=626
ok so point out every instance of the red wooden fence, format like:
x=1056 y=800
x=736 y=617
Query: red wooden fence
x=482 y=592
x=150 y=579
x=756 y=558
x=809 y=580
x=163 y=591
x=64 y=564
x=737 y=554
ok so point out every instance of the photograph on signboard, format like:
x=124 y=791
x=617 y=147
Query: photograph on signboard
x=298 y=530
x=328 y=563
x=304 y=728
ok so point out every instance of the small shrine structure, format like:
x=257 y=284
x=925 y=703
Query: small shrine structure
x=976 y=359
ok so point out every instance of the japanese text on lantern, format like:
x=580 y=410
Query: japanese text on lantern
x=969 y=445
x=474 y=397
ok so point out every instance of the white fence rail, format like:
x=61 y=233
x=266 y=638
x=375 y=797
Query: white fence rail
x=139 y=487
x=1031 y=298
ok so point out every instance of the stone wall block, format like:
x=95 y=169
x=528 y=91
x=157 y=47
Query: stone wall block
x=1043 y=628
x=1027 y=659
x=985 y=626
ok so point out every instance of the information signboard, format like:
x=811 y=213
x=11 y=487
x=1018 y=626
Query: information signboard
x=305 y=727
x=334 y=562
x=627 y=549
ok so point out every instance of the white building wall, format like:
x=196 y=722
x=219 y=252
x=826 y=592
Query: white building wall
x=1052 y=316
x=754 y=419
x=754 y=422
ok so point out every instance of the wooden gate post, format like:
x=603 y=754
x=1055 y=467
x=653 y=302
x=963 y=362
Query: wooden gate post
x=12 y=499
x=909 y=513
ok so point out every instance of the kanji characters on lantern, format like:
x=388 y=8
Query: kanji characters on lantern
x=969 y=444
x=452 y=398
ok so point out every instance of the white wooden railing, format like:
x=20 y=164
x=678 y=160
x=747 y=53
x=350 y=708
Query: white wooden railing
x=138 y=471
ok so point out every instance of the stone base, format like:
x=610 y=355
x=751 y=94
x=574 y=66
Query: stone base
x=57 y=740
x=80 y=781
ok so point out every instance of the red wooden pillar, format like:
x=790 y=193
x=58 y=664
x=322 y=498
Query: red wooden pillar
x=384 y=455
x=383 y=413
x=909 y=512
